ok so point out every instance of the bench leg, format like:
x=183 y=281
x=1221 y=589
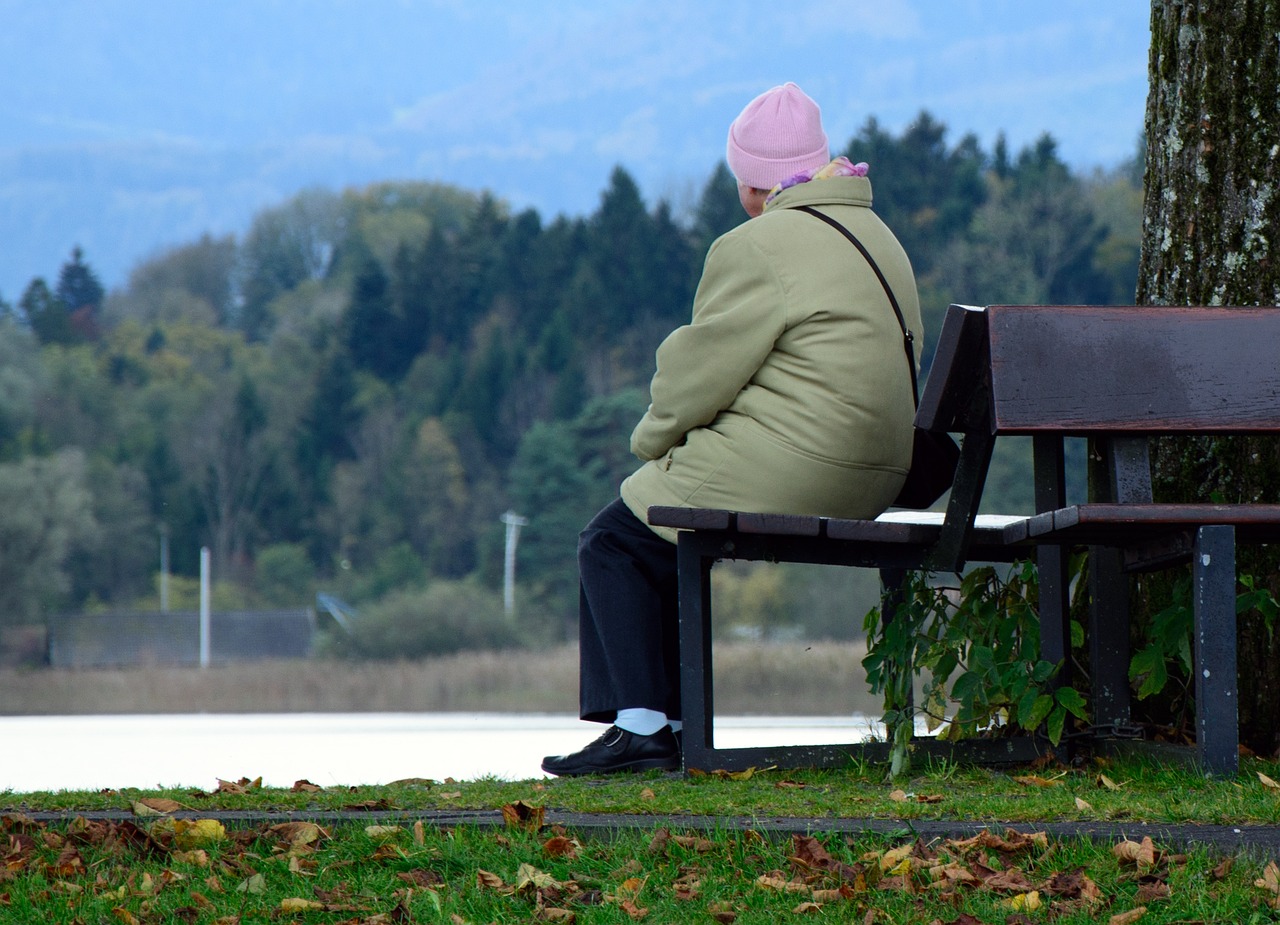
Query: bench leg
x=1109 y=637
x=1055 y=620
x=697 y=686
x=1213 y=569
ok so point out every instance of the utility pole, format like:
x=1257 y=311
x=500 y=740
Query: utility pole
x=514 y=522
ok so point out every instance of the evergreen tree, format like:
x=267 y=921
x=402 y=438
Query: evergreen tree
x=925 y=193
x=718 y=211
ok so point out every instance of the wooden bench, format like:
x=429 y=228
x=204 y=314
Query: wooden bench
x=1115 y=375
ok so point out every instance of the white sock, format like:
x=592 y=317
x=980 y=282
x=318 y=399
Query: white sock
x=639 y=721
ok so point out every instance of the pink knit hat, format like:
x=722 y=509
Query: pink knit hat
x=778 y=135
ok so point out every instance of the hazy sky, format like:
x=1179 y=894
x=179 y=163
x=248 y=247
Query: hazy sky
x=129 y=126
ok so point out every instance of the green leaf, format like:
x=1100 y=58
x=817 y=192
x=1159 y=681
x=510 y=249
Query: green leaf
x=1070 y=698
x=1032 y=718
x=1053 y=728
x=1148 y=664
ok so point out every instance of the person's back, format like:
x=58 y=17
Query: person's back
x=786 y=392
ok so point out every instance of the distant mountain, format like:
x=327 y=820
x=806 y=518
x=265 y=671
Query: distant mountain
x=132 y=127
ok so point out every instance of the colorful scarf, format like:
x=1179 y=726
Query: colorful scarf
x=840 y=167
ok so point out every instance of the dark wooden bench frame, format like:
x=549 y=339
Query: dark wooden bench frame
x=1049 y=373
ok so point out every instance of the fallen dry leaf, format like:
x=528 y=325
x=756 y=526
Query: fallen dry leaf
x=806 y=907
x=561 y=847
x=156 y=806
x=188 y=834
x=1035 y=780
x=1126 y=918
x=243 y=785
x=648 y=794
x=1104 y=781
x=383 y=833
x=723 y=913
x=1268 y=782
x=520 y=815
x=486 y=880
x=297 y=834
x=1025 y=902
x=1141 y=855
x=1270 y=881
x=1153 y=890
x=898 y=796
x=1083 y=806
x=305 y=786
x=1223 y=869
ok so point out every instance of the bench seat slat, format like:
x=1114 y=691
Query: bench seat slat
x=1109 y=524
x=690 y=518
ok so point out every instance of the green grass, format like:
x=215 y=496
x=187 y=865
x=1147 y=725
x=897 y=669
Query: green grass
x=153 y=869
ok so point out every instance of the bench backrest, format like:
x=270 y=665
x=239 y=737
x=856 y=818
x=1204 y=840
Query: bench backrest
x=1115 y=372
x=1088 y=370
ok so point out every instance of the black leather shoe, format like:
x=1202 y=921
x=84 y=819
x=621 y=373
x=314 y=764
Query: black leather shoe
x=619 y=750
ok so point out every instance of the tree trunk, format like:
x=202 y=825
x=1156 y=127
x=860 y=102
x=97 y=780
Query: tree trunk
x=1212 y=207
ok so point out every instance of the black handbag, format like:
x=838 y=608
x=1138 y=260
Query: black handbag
x=933 y=455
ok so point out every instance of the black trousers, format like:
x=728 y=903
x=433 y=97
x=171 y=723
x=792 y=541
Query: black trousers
x=628 y=642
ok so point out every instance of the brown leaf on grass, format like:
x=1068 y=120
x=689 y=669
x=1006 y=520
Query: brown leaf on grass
x=554 y=914
x=1152 y=889
x=661 y=838
x=1108 y=783
x=68 y=864
x=297 y=834
x=196 y=858
x=774 y=880
x=630 y=908
x=421 y=877
x=156 y=806
x=898 y=796
x=809 y=853
x=1010 y=880
x=1074 y=885
x=17 y=850
x=124 y=915
x=561 y=847
x=1141 y=855
x=18 y=822
x=486 y=880
x=1223 y=869
x=1127 y=918
x=648 y=794
x=1270 y=882
x=789 y=785
x=243 y=785
x=721 y=773
x=370 y=806
x=806 y=907
x=687 y=886
x=1268 y=782
x=723 y=913
x=1083 y=806
x=1012 y=842
x=305 y=786
x=694 y=843
x=520 y=815
x=1035 y=780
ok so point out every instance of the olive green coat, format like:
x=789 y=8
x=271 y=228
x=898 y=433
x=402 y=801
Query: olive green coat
x=789 y=391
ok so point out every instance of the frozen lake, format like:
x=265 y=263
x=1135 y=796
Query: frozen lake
x=328 y=749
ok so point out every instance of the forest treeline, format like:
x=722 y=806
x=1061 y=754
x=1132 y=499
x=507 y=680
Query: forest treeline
x=350 y=396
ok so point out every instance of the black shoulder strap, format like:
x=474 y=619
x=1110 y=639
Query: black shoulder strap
x=908 y=339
